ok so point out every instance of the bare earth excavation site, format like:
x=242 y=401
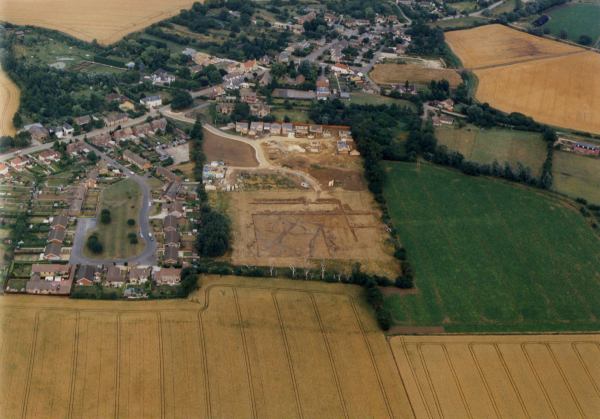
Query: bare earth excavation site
x=299 y=209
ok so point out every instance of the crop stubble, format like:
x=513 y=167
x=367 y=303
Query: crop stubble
x=239 y=348
x=550 y=81
x=9 y=103
x=508 y=376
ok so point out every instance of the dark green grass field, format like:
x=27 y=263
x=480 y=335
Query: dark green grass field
x=490 y=256
x=576 y=19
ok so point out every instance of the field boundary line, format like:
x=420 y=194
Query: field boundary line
x=538 y=379
x=246 y=355
x=30 y=363
x=584 y=366
x=118 y=365
x=526 y=61
x=429 y=380
x=565 y=379
x=410 y=366
x=202 y=343
x=488 y=390
x=457 y=381
x=372 y=357
x=161 y=363
x=288 y=355
x=74 y=366
x=330 y=354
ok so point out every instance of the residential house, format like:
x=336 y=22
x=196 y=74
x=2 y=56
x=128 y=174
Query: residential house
x=115 y=276
x=48 y=156
x=57 y=235
x=136 y=160
x=88 y=275
x=260 y=109
x=301 y=130
x=159 y=125
x=170 y=223
x=167 y=174
x=296 y=81
x=3 y=169
x=38 y=132
x=275 y=128
x=265 y=79
x=18 y=163
x=172 y=238
x=151 y=102
x=50 y=271
x=60 y=222
x=249 y=66
x=343 y=147
x=171 y=256
x=241 y=127
x=101 y=140
x=168 y=276
x=114 y=119
x=139 y=274
x=323 y=91
x=256 y=128
x=316 y=130
x=171 y=191
x=52 y=251
x=175 y=209
x=284 y=57
x=341 y=69
x=76 y=147
x=161 y=77
x=447 y=105
x=287 y=129
x=248 y=96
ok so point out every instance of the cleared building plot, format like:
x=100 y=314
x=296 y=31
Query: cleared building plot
x=501 y=376
x=576 y=176
x=499 y=45
x=239 y=348
x=9 y=103
x=233 y=153
x=106 y=21
x=283 y=228
x=503 y=145
x=552 y=82
x=413 y=73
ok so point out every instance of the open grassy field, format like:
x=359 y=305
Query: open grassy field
x=400 y=73
x=239 y=348
x=576 y=176
x=503 y=145
x=493 y=45
x=295 y=228
x=123 y=199
x=550 y=81
x=9 y=103
x=362 y=98
x=459 y=22
x=501 y=376
x=106 y=21
x=575 y=19
x=491 y=256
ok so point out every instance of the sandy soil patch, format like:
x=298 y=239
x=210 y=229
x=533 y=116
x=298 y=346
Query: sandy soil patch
x=233 y=153
x=501 y=376
x=400 y=73
x=293 y=349
x=180 y=153
x=497 y=44
x=283 y=228
x=106 y=21
x=9 y=103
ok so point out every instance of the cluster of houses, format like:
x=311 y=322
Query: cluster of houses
x=258 y=108
x=106 y=140
x=56 y=237
x=172 y=238
x=213 y=172
x=58 y=279
x=290 y=130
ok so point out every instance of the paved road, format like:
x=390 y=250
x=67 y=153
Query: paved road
x=148 y=255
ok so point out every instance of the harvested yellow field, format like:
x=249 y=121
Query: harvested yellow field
x=497 y=44
x=561 y=91
x=106 y=21
x=501 y=376
x=9 y=103
x=237 y=348
x=400 y=73
x=552 y=82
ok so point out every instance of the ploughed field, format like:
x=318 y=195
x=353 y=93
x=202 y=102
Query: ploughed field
x=491 y=256
x=9 y=103
x=552 y=82
x=238 y=349
x=501 y=376
x=106 y=21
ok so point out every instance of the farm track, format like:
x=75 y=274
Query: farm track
x=527 y=60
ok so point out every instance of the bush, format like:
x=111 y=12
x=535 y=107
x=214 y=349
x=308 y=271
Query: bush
x=384 y=318
x=131 y=222
x=93 y=243
x=105 y=216
x=404 y=282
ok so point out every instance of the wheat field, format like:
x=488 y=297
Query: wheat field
x=9 y=103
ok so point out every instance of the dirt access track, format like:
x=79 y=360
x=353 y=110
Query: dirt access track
x=295 y=228
x=239 y=348
x=550 y=81
x=106 y=21
x=534 y=376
